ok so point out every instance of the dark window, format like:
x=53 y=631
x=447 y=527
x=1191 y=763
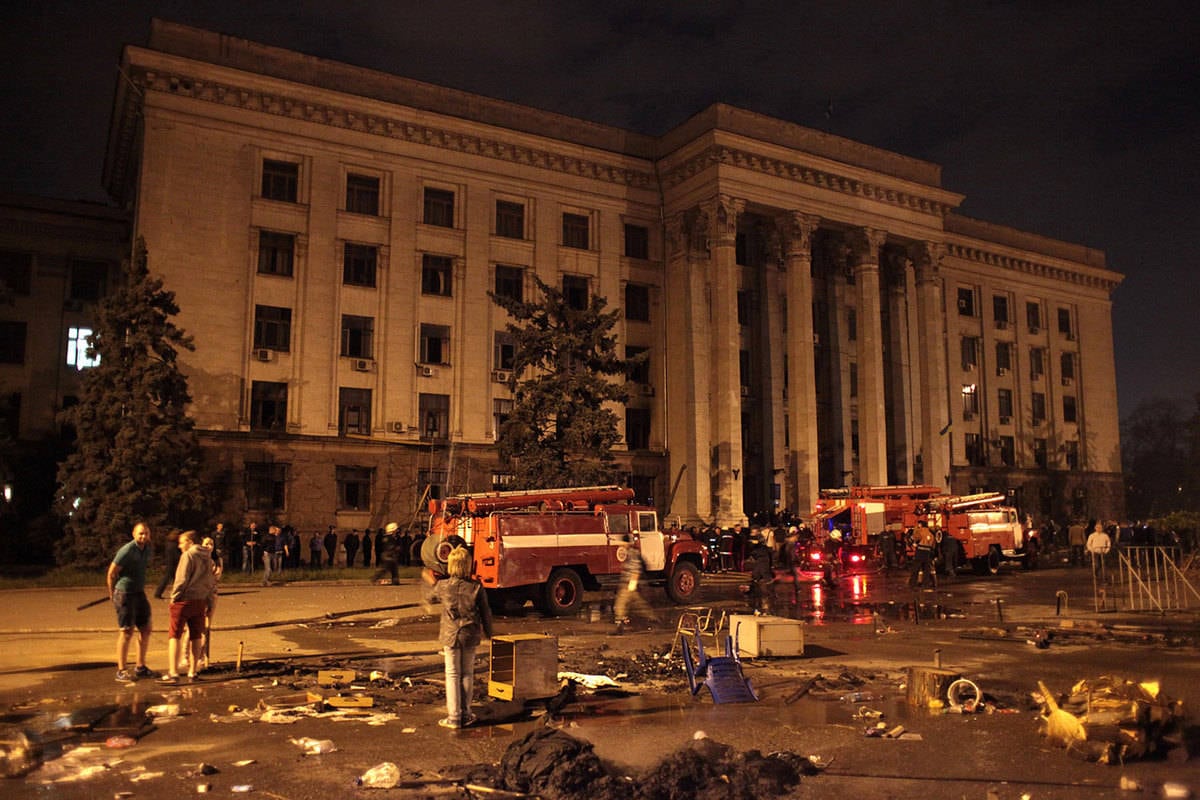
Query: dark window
x=358 y=334
x=501 y=411
x=639 y=372
x=435 y=344
x=1004 y=404
x=359 y=264
x=435 y=274
x=1064 y=323
x=266 y=486
x=744 y=371
x=273 y=328
x=637 y=428
x=16 y=271
x=637 y=241
x=1038 y=403
x=362 y=194
x=439 y=207
x=276 y=253
x=88 y=280
x=268 y=406
x=433 y=482
x=970 y=353
x=510 y=282
x=743 y=308
x=1037 y=362
x=354 y=411
x=510 y=219
x=973 y=444
x=1072 y=454
x=10 y=415
x=1000 y=310
x=280 y=180
x=853 y=379
x=1033 y=316
x=1003 y=357
x=504 y=352
x=576 y=291
x=1069 y=414
x=1067 y=361
x=637 y=302
x=575 y=230
x=435 y=416
x=354 y=488
x=852 y=324
x=970 y=401
x=966 y=302
x=1008 y=451
x=12 y=342
x=1039 y=453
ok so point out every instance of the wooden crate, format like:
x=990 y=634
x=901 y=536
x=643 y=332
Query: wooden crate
x=524 y=667
x=767 y=636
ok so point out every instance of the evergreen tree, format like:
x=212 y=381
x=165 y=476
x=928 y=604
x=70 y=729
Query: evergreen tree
x=560 y=432
x=136 y=455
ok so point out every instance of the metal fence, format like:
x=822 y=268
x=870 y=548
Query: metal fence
x=1147 y=579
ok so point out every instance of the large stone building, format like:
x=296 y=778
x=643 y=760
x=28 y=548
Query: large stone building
x=815 y=312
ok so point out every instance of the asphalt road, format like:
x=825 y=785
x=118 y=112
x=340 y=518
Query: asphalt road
x=55 y=660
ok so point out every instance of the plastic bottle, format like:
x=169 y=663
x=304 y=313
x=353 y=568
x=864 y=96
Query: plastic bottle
x=857 y=697
x=314 y=747
x=380 y=776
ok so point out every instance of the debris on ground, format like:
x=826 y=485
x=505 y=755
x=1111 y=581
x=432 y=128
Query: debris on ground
x=1110 y=719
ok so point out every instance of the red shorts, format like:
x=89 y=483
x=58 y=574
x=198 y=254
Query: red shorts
x=190 y=613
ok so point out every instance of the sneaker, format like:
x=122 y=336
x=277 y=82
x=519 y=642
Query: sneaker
x=144 y=672
x=449 y=723
x=470 y=720
x=124 y=676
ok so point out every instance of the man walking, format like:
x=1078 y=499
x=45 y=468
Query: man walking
x=127 y=588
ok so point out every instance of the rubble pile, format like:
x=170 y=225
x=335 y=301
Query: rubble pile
x=1109 y=720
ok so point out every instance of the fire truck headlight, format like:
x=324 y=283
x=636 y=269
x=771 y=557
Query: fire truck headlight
x=814 y=556
x=855 y=558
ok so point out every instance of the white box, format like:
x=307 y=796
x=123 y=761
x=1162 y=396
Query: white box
x=767 y=636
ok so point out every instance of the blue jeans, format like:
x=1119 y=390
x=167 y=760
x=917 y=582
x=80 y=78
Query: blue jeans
x=460 y=680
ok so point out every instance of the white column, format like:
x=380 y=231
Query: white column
x=802 y=462
x=872 y=421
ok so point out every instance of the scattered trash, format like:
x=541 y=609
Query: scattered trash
x=166 y=710
x=206 y=769
x=241 y=788
x=721 y=674
x=587 y=681
x=245 y=762
x=335 y=677
x=858 y=697
x=1109 y=720
x=380 y=776
x=118 y=742
x=964 y=694
x=1176 y=791
x=19 y=754
x=145 y=776
x=1129 y=785
x=202 y=788
x=314 y=747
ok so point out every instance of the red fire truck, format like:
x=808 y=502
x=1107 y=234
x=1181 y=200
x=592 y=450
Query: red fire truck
x=549 y=545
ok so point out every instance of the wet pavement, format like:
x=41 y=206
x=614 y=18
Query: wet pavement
x=860 y=637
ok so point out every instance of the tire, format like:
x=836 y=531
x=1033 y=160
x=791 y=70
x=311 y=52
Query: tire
x=993 y=560
x=563 y=593
x=683 y=586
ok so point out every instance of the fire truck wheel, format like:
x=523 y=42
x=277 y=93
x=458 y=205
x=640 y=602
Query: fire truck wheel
x=989 y=564
x=684 y=584
x=564 y=593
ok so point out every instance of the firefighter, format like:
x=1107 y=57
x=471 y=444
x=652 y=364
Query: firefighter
x=761 y=574
x=922 y=563
x=627 y=588
x=831 y=560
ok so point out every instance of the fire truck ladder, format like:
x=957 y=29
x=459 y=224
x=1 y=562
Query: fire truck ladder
x=1153 y=581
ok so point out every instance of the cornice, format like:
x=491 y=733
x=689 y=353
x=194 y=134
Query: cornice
x=1036 y=269
x=724 y=155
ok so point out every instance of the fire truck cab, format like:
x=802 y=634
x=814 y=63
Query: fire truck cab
x=549 y=545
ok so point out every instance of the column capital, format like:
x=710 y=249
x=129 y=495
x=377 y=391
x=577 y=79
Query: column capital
x=864 y=244
x=723 y=212
x=797 y=229
x=927 y=257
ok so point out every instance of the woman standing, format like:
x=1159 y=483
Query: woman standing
x=466 y=620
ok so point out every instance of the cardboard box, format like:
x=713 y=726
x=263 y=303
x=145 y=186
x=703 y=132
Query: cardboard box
x=767 y=636
x=524 y=667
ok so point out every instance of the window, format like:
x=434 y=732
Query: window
x=1064 y=323
x=358 y=335
x=970 y=353
x=854 y=379
x=1004 y=404
x=1039 y=453
x=10 y=415
x=743 y=308
x=854 y=437
x=1033 y=316
x=504 y=350
x=575 y=230
x=433 y=481
x=362 y=194
x=16 y=271
x=439 y=207
x=1000 y=310
x=1071 y=454
x=966 y=301
x=359 y=264
x=744 y=370
x=77 y=349
x=501 y=411
x=1038 y=402
x=280 y=180
x=1037 y=362
x=502 y=481
x=12 y=342
x=435 y=275
x=576 y=292
x=973 y=445
x=638 y=372
x=510 y=219
x=435 y=344
x=1008 y=451
x=354 y=411
x=268 y=406
x=1067 y=368
x=637 y=302
x=637 y=428
x=637 y=241
x=970 y=401
x=435 y=416
x=1003 y=357
x=354 y=488
x=852 y=324
x=1069 y=409
x=273 y=328
x=276 y=253
x=510 y=282
x=266 y=485
x=88 y=280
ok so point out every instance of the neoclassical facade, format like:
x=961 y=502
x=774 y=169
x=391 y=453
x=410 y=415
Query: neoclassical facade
x=815 y=312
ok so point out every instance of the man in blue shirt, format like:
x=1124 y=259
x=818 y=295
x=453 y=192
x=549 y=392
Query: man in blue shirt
x=127 y=588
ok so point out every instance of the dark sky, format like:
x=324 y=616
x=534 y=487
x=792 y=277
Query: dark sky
x=1075 y=120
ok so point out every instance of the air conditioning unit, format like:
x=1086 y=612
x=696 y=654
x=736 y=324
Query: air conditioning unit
x=264 y=354
x=1002 y=371
x=1067 y=381
x=647 y=390
x=363 y=365
x=398 y=427
x=1005 y=420
x=501 y=375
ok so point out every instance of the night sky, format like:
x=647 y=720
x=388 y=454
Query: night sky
x=1075 y=120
